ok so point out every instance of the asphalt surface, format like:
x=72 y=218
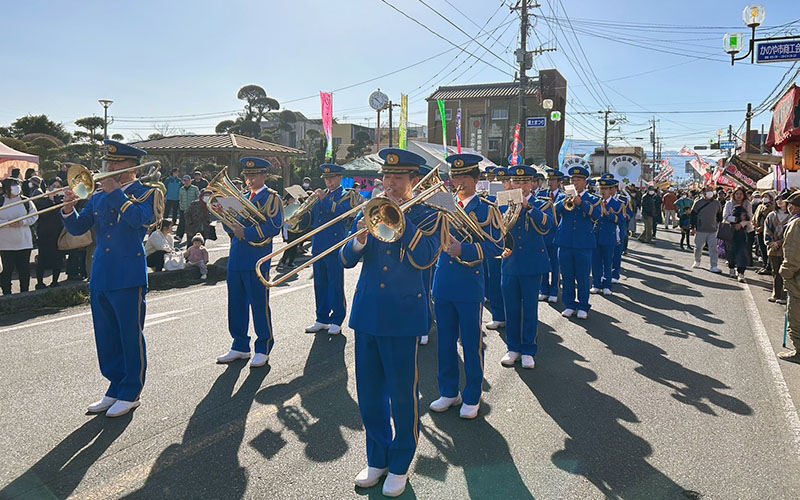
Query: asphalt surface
x=669 y=390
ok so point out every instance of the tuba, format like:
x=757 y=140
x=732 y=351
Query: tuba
x=233 y=208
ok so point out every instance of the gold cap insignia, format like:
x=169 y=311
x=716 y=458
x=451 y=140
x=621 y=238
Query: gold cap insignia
x=251 y=163
x=392 y=159
x=327 y=170
x=458 y=163
x=112 y=148
x=520 y=171
x=500 y=173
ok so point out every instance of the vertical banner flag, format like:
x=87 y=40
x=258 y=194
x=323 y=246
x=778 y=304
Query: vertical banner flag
x=327 y=121
x=403 y=132
x=458 y=130
x=444 y=126
x=515 y=149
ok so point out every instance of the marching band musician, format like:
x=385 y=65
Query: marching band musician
x=494 y=291
x=624 y=220
x=538 y=183
x=522 y=270
x=575 y=240
x=245 y=290
x=388 y=317
x=554 y=193
x=329 y=272
x=606 y=234
x=427 y=274
x=121 y=214
x=458 y=290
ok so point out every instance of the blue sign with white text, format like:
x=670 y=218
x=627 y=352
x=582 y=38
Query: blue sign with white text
x=767 y=52
x=727 y=145
x=537 y=122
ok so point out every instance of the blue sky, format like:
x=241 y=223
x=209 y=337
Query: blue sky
x=161 y=59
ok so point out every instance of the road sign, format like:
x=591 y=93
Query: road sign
x=767 y=52
x=727 y=145
x=539 y=122
x=511 y=159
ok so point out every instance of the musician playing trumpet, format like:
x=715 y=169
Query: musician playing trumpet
x=333 y=201
x=459 y=290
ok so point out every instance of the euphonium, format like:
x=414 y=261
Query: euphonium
x=293 y=214
x=231 y=207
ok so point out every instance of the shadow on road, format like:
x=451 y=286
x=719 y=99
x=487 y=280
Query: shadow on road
x=598 y=447
x=206 y=463
x=325 y=404
x=58 y=473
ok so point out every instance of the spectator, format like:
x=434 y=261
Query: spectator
x=685 y=200
x=657 y=212
x=636 y=202
x=199 y=181
x=197 y=217
x=188 y=194
x=739 y=213
x=16 y=240
x=773 y=237
x=158 y=245
x=34 y=186
x=26 y=184
x=791 y=278
x=377 y=189
x=62 y=172
x=671 y=215
x=685 y=223
x=648 y=215
x=197 y=255
x=306 y=183
x=765 y=206
x=49 y=229
x=705 y=216
x=173 y=185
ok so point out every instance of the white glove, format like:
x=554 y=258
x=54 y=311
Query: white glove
x=731 y=219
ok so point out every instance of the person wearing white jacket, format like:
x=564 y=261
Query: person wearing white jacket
x=16 y=240
x=158 y=245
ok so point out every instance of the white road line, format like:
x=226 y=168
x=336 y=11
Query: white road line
x=149 y=301
x=765 y=347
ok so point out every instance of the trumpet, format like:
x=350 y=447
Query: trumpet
x=383 y=217
x=80 y=180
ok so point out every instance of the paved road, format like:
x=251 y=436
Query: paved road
x=668 y=390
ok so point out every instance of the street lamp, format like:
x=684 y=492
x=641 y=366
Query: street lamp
x=753 y=16
x=105 y=103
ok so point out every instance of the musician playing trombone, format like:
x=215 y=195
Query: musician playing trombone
x=245 y=291
x=329 y=272
x=121 y=214
x=458 y=290
x=389 y=316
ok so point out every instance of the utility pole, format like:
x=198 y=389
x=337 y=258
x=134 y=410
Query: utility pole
x=653 y=141
x=605 y=141
x=730 y=138
x=522 y=56
x=747 y=127
x=390 y=124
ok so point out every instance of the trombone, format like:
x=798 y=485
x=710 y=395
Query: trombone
x=384 y=219
x=80 y=180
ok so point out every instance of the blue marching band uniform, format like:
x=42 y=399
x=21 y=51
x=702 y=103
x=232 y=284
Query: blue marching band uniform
x=549 y=289
x=331 y=306
x=624 y=218
x=118 y=286
x=459 y=292
x=522 y=272
x=246 y=293
x=389 y=315
x=576 y=241
x=494 y=292
x=605 y=232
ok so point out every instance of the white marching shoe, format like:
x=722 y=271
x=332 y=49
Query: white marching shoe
x=552 y=299
x=696 y=265
x=606 y=291
x=260 y=359
x=594 y=289
x=334 y=330
x=568 y=313
x=121 y=407
x=395 y=485
x=615 y=280
x=509 y=358
x=423 y=340
x=317 y=327
x=528 y=361
x=468 y=412
x=370 y=476
x=102 y=405
x=542 y=297
x=494 y=325
x=233 y=356
x=583 y=315
x=444 y=404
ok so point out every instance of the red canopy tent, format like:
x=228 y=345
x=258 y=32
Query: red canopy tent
x=11 y=159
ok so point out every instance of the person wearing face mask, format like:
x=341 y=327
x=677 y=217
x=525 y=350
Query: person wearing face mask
x=790 y=272
x=197 y=217
x=739 y=213
x=705 y=218
x=773 y=238
x=306 y=183
x=16 y=240
x=761 y=210
x=49 y=228
x=648 y=215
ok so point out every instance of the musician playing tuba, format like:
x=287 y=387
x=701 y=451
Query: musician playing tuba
x=459 y=291
x=249 y=242
x=331 y=305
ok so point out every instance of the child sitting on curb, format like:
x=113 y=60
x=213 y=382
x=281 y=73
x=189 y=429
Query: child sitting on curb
x=197 y=255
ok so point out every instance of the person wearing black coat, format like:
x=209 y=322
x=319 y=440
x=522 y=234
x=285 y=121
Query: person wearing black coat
x=49 y=228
